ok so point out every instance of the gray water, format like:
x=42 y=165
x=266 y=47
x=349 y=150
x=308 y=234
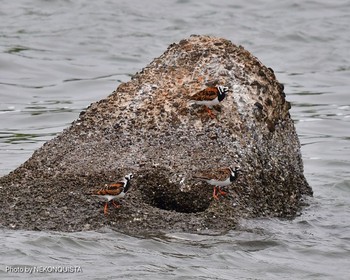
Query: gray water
x=56 y=57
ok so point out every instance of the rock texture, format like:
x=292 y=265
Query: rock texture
x=147 y=127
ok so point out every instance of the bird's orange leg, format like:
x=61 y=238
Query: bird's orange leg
x=210 y=112
x=105 y=209
x=222 y=192
x=215 y=195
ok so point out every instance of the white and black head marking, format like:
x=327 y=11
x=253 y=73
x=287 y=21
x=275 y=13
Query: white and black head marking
x=222 y=92
x=127 y=182
x=129 y=177
x=234 y=173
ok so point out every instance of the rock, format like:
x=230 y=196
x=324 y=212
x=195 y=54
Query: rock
x=147 y=127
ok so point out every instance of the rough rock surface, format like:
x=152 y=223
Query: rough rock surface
x=147 y=127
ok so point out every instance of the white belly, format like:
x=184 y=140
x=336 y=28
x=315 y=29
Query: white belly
x=208 y=103
x=110 y=197
x=219 y=183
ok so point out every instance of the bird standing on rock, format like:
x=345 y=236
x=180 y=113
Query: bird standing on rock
x=112 y=191
x=209 y=97
x=219 y=178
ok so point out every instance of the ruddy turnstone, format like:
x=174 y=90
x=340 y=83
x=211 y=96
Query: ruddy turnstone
x=209 y=97
x=219 y=178
x=112 y=191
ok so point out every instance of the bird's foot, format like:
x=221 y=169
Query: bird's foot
x=210 y=113
x=222 y=192
x=215 y=195
x=116 y=205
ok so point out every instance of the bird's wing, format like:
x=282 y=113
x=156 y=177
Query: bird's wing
x=201 y=177
x=216 y=174
x=209 y=93
x=112 y=189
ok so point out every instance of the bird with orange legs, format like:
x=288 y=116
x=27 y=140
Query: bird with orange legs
x=209 y=97
x=113 y=191
x=219 y=178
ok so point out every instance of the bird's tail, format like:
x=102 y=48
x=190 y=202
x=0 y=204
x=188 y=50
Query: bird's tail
x=201 y=178
x=95 y=192
x=91 y=193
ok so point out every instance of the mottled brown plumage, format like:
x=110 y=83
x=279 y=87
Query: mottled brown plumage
x=112 y=189
x=209 y=97
x=209 y=93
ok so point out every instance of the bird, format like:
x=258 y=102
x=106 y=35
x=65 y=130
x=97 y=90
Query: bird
x=209 y=97
x=219 y=178
x=112 y=191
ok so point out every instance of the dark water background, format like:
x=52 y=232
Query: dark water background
x=56 y=57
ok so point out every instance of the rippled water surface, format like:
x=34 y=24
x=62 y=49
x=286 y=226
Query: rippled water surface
x=56 y=57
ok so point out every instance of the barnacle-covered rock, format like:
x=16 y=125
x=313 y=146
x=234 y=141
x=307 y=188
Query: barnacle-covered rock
x=148 y=127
